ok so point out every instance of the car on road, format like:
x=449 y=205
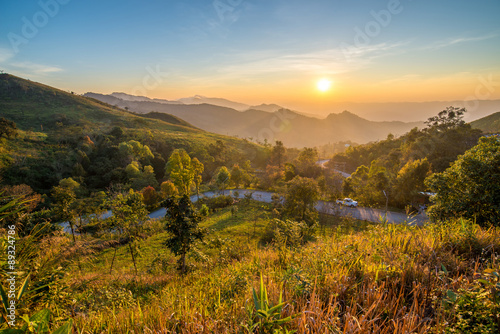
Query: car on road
x=347 y=202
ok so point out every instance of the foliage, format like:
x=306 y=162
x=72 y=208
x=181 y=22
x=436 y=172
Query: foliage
x=269 y=316
x=181 y=221
x=288 y=232
x=471 y=186
x=216 y=202
x=168 y=189
x=447 y=119
x=222 y=178
x=300 y=198
x=129 y=215
x=410 y=180
x=7 y=128
x=183 y=171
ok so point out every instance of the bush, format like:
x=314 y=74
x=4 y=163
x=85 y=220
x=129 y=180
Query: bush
x=287 y=232
x=218 y=202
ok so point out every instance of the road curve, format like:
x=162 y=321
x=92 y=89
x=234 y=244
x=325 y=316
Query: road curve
x=367 y=214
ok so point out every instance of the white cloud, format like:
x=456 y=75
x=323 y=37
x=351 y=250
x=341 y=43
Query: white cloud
x=5 y=54
x=324 y=62
x=35 y=68
x=459 y=40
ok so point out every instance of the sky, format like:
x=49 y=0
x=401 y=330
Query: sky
x=259 y=51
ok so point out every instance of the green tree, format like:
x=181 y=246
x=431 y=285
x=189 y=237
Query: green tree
x=183 y=171
x=64 y=202
x=168 y=189
x=300 y=198
x=470 y=188
x=129 y=215
x=278 y=154
x=222 y=178
x=135 y=150
x=449 y=118
x=306 y=163
x=181 y=221
x=410 y=180
x=237 y=175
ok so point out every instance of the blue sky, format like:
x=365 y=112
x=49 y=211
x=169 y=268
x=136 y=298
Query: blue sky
x=257 y=51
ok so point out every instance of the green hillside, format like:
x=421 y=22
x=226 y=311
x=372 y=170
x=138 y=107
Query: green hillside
x=488 y=124
x=60 y=132
x=39 y=107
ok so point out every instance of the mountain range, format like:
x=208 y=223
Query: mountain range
x=264 y=122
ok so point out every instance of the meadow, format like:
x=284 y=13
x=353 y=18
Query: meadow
x=245 y=277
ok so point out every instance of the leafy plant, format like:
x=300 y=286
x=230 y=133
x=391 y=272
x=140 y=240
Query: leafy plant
x=269 y=316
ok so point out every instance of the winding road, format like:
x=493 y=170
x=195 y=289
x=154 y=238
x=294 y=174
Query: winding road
x=366 y=214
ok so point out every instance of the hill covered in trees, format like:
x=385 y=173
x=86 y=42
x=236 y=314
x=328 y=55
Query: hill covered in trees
x=61 y=135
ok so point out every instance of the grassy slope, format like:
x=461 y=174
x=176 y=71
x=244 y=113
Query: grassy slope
x=374 y=278
x=488 y=124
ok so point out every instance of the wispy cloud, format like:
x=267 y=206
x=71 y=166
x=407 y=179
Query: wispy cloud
x=35 y=68
x=324 y=62
x=5 y=54
x=459 y=40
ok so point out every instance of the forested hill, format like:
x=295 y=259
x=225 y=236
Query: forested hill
x=60 y=135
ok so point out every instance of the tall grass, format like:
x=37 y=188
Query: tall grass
x=368 y=279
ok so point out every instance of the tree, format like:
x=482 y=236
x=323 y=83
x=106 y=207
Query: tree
x=449 y=118
x=410 y=180
x=237 y=175
x=300 y=198
x=183 y=171
x=470 y=188
x=306 y=163
x=150 y=196
x=7 y=128
x=129 y=215
x=278 y=154
x=168 y=189
x=181 y=221
x=222 y=178
x=135 y=150
x=64 y=196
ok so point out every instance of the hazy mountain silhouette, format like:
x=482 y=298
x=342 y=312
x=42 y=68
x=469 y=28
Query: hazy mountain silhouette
x=293 y=128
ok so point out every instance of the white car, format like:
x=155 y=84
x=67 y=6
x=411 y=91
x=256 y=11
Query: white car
x=347 y=202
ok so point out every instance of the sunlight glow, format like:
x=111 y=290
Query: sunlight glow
x=324 y=85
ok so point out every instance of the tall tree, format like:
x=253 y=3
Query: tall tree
x=300 y=198
x=183 y=171
x=222 y=178
x=64 y=196
x=182 y=223
x=410 y=180
x=470 y=188
x=278 y=154
x=129 y=215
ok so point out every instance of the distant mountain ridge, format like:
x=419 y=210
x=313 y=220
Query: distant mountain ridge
x=292 y=128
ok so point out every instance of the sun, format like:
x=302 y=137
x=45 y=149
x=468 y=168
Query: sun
x=324 y=85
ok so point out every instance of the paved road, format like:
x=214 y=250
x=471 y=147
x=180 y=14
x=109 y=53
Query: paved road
x=367 y=214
